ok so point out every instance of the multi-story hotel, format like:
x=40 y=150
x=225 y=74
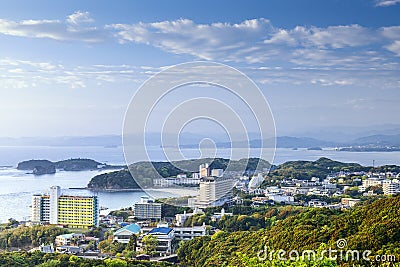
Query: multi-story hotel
x=391 y=187
x=214 y=191
x=74 y=211
x=146 y=208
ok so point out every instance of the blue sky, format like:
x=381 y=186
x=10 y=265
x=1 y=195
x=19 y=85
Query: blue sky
x=70 y=68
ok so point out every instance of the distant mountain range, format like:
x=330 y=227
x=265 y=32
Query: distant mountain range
x=189 y=140
x=379 y=139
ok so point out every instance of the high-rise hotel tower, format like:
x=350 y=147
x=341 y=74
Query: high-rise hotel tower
x=73 y=211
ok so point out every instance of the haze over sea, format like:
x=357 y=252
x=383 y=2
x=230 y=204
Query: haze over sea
x=17 y=187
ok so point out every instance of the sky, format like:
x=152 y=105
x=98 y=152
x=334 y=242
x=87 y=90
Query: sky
x=70 y=68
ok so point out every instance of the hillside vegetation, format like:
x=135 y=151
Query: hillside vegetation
x=375 y=227
x=23 y=237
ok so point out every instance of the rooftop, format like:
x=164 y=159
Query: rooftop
x=133 y=228
x=161 y=231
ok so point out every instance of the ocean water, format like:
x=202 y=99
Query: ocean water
x=17 y=187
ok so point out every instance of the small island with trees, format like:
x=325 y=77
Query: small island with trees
x=40 y=167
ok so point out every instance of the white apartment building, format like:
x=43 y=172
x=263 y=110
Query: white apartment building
x=391 y=187
x=146 y=208
x=370 y=182
x=188 y=233
x=214 y=192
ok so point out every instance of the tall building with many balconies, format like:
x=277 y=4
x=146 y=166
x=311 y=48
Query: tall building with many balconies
x=391 y=187
x=214 y=191
x=146 y=208
x=74 y=211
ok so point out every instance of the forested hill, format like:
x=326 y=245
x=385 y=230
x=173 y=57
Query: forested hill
x=307 y=169
x=304 y=170
x=374 y=226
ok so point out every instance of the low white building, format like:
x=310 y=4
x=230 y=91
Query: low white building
x=280 y=198
x=218 y=215
x=188 y=233
x=68 y=239
x=316 y=203
x=124 y=234
x=165 y=237
x=182 y=217
x=350 y=202
x=164 y=182
x=181 y=180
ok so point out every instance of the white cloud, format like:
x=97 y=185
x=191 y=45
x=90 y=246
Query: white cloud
x=391 y=32
x=206 y=41
x=394 y=47
x=302 y=54
x=68 y=30
x=384 y=3
x=251 y=41
x=337 y=36
x=332 y=36
x=26 y=73
x=80 y=17
x=258 y=41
